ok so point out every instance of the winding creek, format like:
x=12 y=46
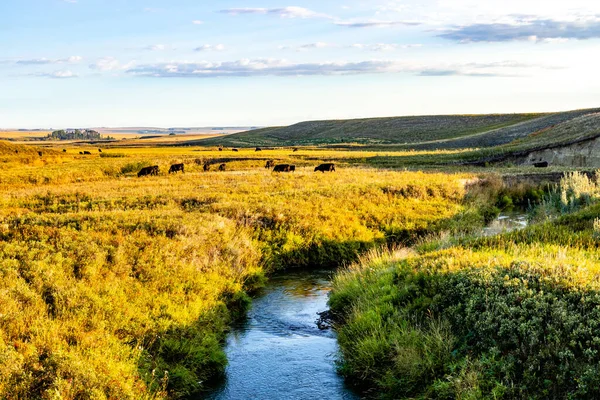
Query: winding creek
x=279 y=352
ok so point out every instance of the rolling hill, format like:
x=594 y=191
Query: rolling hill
x=419 y=133
x=374 y=131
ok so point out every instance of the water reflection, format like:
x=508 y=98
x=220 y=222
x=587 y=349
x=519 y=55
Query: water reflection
x=506 y=222
x=279 y=352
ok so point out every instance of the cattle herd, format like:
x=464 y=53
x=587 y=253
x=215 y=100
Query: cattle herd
x=206 y=165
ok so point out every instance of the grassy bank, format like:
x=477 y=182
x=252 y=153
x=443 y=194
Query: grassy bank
x=119 y=287
x=509 y=316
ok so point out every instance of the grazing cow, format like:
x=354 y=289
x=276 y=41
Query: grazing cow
x=146 y=171
x=64 y=150
x=87 y=153
x=270 y=164
x=175 y=168
x=222 y=167
x=258 y=149
x=235 y=150
x=220 y=148
x=325 y=168
x=81 y=153
x=292 y=168
x=99 y=150
x=206 y=167
x=543 y=164
x=16 y=151
x=295 y=149
x=284 y=168
x=40 y=153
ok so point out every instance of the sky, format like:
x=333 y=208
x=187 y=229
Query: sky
x=194 y=63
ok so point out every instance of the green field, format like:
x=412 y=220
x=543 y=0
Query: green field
x=404 y=133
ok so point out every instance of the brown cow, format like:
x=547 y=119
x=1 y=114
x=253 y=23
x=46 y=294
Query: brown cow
x=325 y=168
x=222 y=167
x=175 y=168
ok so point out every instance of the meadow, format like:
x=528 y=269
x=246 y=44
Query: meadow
x=509 y=316
x=117 y=287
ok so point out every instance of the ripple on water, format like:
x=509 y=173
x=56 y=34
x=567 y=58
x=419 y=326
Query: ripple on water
x=278 y=352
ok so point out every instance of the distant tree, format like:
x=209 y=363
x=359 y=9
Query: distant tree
x=77 y=135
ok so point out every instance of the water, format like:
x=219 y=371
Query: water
x=506 y=222
x=279 y=352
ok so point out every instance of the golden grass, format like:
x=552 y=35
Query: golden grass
x=108 y=281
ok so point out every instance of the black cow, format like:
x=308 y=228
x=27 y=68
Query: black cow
x=206 y=167
x=325 y=168
x=64 y=150
x=295 y=149
x=222 y=167
x=292 y=168
x=284 y=168
x=16 y=151
x=543 y=164
x=87 y=153
x=220 y=148
x=40 y=153
x=81 y=153
x=99 y=150
x=175 y=168
x=235 y=150
x=258 y=149
x=270 y=164
x=146 y=171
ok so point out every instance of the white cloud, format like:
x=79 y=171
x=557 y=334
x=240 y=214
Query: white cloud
x=375 y=23
x=45 y=61
x=197 y=22
x=61 y=74
x=110 y=64
x=284 y=12
x=384 y=46
x=274 y=67
x=156 y=47
x=308 y=46
x=210 y=47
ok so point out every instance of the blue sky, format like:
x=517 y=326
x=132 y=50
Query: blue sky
x=91 y=63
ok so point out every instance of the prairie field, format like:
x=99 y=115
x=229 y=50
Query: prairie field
x=115 y=286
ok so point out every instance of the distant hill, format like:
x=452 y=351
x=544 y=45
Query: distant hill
x=421 y=132
x=373 y=131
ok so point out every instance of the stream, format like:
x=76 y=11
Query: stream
x=279 y=352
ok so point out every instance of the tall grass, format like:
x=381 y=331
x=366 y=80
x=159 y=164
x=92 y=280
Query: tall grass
x=119 y=287
x=510 y=316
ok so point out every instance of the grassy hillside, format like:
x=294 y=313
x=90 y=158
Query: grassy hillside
x=395 y=130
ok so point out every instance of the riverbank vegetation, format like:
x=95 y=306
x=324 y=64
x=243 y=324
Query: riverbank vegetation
x=508 y=316
x=114 y=286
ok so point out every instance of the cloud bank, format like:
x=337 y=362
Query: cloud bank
x=282 y=68
x=526 y=29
